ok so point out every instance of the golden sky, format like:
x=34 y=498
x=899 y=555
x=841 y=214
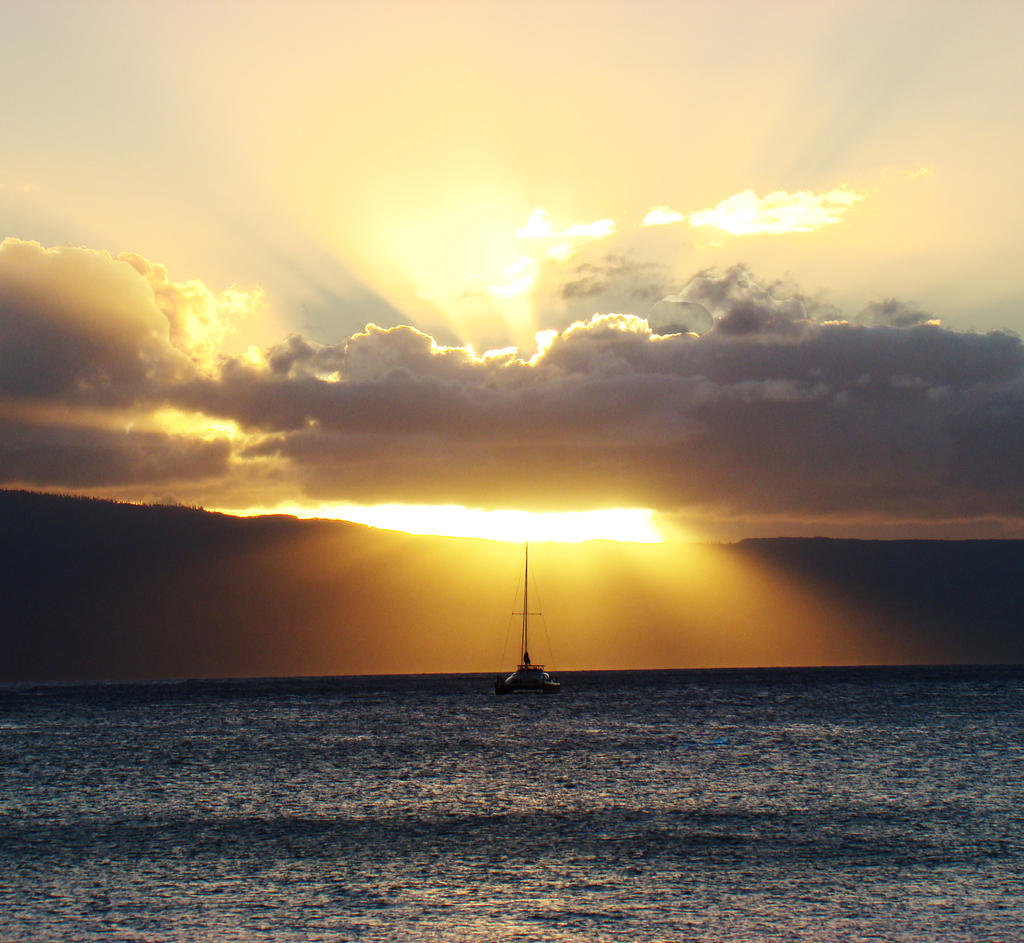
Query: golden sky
x=731 y=269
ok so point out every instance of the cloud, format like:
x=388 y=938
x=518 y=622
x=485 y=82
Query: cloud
x=675 y=315
x=80 y=326
x=895 y=313
x=777 y=213
x=575 y=271
x=520 y=276
x=598 y=229
x=604 y=277
x=770 y=411
x=589 y=279
x=662 y=216
x=737 y=304
x=75 y=456
x=539 y=226
x=89 y=346
x=199 y=320
x=766 y=407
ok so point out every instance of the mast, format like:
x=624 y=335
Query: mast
x=524 y=649
x=526 y=604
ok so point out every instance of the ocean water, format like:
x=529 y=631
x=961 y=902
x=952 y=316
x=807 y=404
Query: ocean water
x=807 y=804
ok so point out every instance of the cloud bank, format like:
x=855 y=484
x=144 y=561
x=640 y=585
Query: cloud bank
x=762 y=406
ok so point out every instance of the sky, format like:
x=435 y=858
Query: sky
x=723 y=270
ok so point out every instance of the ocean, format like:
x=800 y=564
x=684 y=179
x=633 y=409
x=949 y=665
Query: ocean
x=881 y=804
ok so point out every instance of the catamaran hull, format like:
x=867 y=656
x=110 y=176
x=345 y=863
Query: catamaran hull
x=527 y=678
x=547 y=687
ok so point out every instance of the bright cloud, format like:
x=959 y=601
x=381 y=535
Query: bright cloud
x=777 y=213
x=662 y=216
x=519 y=278
x=199 y=320
x=599 y=229
x=539 y=226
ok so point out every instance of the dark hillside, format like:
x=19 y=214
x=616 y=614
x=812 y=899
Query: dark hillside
x=94 y=589
x=963 y=597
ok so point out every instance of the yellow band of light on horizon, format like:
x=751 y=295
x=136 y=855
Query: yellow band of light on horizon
x=633 y=525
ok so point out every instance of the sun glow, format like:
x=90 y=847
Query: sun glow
x=632 y=525
x=198 y=425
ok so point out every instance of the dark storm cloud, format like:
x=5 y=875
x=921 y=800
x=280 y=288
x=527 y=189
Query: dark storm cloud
x=61 y=456
x=776 y=408
x=894 y=313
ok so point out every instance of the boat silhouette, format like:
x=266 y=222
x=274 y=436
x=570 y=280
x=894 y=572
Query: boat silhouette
x=527 y=677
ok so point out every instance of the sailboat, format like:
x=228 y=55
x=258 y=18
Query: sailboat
x=527 y=676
